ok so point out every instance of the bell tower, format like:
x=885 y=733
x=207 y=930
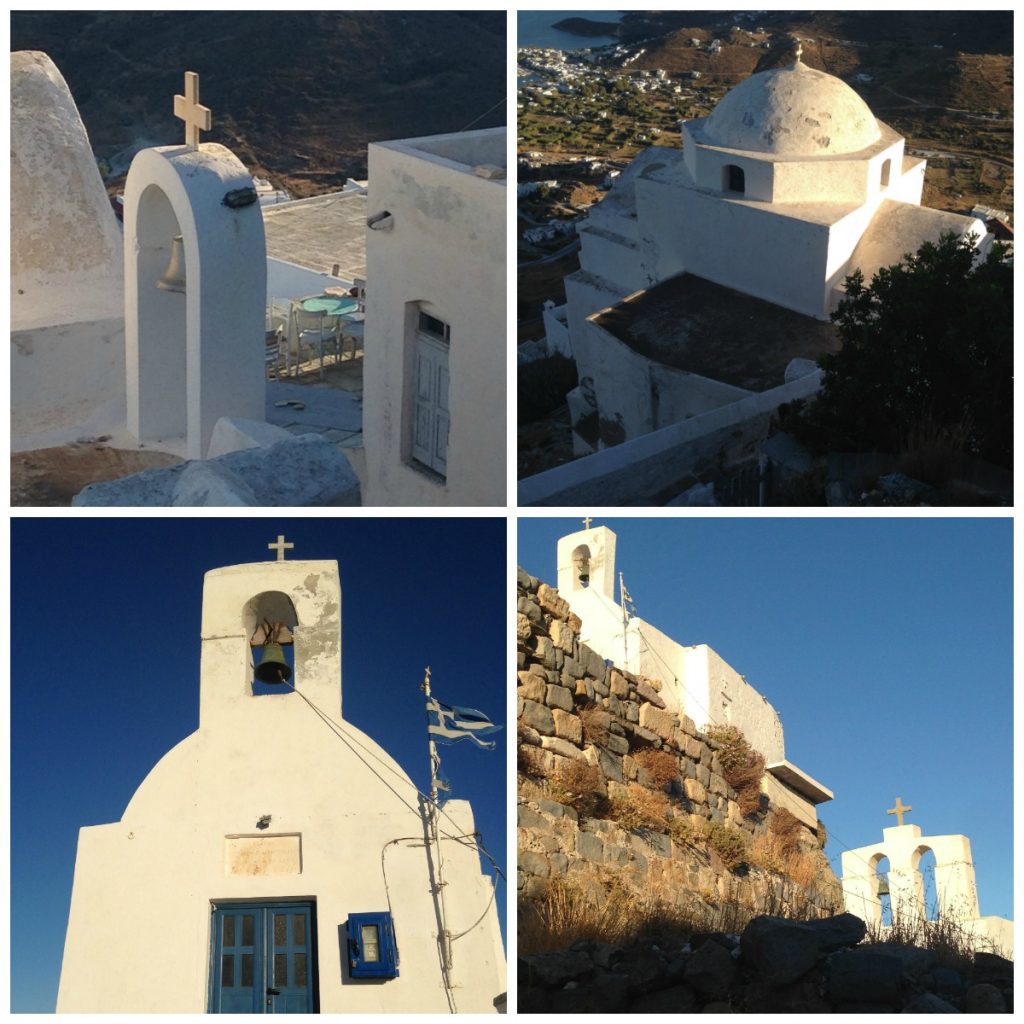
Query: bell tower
x=586 y=561
x=246 y=609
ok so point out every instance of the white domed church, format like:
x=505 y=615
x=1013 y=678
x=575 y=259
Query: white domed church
x=708 y=274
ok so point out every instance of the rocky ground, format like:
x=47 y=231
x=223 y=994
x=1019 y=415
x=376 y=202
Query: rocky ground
x=775 y=966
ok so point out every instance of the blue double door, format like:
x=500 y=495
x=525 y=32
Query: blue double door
x=263 y=958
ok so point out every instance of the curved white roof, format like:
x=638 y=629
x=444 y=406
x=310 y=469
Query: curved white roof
x=792 y=111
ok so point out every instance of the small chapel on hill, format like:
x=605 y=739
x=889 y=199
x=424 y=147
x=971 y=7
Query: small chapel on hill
x=268 y=864
x=708 y=273
x=696 y=680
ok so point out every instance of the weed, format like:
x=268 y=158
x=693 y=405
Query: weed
x=580 y=785
x=661 y=766
x=640 y=808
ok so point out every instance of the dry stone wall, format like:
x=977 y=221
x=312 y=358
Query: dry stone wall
x=573 y=706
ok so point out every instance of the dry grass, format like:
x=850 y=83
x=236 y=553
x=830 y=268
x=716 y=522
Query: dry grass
x=661 y=766
x=952 y=945
x=689 y=831
x=595 y=722
x=640 y=808
x=580 y=785
x=742 y=766
x=730 y=844
x=787 y=828
x=934 y=453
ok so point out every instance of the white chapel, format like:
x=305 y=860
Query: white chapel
x=956 y=890
x=696 y=680
x=707 y=274
x=268 y=864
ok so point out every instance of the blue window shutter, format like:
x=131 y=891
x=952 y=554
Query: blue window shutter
x=372 y=952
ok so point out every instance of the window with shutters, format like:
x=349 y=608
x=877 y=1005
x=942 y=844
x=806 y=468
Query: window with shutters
x=430 y=413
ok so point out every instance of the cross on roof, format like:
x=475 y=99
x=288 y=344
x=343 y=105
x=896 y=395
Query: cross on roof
x=280 y=547
x=197 y=118
x=899 y=810
x=587 y=522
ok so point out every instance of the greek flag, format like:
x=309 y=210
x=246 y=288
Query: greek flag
x=448 y=724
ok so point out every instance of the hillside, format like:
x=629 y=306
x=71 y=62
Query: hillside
x=297 y=95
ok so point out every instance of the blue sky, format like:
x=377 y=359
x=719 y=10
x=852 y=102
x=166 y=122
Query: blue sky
x=885 y=645
x=105 y=662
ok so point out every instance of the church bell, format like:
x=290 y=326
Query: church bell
x=272 y=667
x=883 y=885
x=173 y=279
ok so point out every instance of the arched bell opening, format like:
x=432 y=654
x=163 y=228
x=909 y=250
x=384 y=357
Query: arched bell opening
x=886 y=167
x=162 y=270
x=270 y=622
x=880 y=887
x=581 y=567
x=925 y=858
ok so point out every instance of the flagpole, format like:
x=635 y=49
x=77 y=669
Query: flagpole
x=446 y=943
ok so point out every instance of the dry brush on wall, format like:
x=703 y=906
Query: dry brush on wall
x=629 y=818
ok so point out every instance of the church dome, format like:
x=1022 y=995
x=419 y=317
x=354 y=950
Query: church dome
x=792 y=111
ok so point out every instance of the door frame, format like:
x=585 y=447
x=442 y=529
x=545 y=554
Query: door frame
x=265 y=956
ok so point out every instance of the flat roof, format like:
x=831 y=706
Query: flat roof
x=320 y=231
x=788 y=774
x=694 y=325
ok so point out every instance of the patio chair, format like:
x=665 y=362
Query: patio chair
x=350 y=327
x=277 y=352
x=315 y=332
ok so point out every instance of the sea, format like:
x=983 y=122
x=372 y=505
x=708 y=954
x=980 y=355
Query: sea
x=534 y=28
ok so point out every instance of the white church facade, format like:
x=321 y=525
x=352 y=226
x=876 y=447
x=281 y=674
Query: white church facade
x=264 y=865
x=708 y=273
x=696 y=680
x=956 y=891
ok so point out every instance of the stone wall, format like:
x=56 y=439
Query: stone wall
x=573 y=706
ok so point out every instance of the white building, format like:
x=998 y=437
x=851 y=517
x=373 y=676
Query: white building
x=706 y=271
x=266 y=866
x=956 y=890
x=435 y=364
x=696 y=680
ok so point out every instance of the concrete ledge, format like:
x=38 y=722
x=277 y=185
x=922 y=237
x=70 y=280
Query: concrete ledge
x=630 y=473
x=788 y=774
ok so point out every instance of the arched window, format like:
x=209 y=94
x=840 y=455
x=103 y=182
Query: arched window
x=733 y=179
x=885 y=172
x=269 y=618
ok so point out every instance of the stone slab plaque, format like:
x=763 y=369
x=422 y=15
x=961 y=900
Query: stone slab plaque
x=263 y=855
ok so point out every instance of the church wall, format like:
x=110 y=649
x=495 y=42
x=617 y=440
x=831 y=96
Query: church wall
x=637 y=395
x=645 y=466
x=556 y=331
x=733 y=701
x=731 y=242
x=445 y=249
x=558 y=675
x=585 y=294
x=65 y=376
x=612 y=257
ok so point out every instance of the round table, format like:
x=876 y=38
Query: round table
x=332 y=305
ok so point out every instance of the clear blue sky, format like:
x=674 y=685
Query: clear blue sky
x=105 y=646
x=885 y=645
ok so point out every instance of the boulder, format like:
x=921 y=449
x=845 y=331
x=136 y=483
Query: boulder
x=929 y=1002
x=210 y=485
x=678 y=999
x=838 y=932
x=778 y=949
x=984 y=998
x=553 y=970
x=711 y=970
x=863 y=975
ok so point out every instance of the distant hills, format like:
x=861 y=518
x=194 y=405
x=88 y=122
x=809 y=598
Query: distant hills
x=297 y=95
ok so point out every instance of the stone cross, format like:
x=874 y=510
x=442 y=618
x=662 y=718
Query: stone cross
x=197 y=118
x=899 y=810
x=280 y=547
x=799 y=49
x=587 y=522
